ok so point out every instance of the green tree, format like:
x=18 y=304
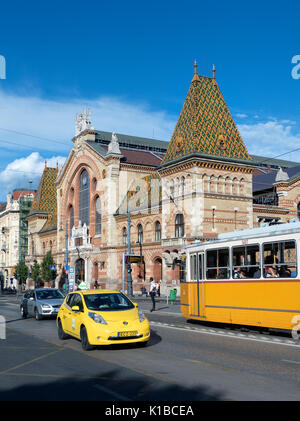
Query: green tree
x=46 y=267
x=21 y=272
x=36 y=273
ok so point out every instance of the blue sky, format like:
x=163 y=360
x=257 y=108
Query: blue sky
x=131 y=62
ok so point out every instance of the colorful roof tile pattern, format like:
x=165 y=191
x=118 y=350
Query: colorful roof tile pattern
x=205 y=125
x=45 y=199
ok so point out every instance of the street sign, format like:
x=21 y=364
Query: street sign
x=133 y=258
x=52 y=267
x=71 y=269
x=83 y=286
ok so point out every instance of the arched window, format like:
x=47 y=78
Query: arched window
x=179 y=225
x=124 y=236
x=157 y=231
x=98 y=216
x=140 y=233
x=44 y=248
x=84 y=198
x=32 y=247
x=71 y=217
x=51 y=246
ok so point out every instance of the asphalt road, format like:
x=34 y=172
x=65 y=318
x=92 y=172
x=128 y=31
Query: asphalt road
x=183 y=362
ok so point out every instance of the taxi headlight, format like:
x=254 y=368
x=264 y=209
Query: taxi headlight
x=97 y=318
x=141 y=316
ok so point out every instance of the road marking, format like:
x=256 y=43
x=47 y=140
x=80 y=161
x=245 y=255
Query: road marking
x=29 y=362
x=274 y=341
x=115 y=395
x=214 y=365
x=291 y=362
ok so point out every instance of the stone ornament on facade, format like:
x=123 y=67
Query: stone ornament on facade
x=83 y=122
x=113 y=147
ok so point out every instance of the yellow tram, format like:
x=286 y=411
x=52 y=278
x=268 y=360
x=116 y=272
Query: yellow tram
x=247 y=277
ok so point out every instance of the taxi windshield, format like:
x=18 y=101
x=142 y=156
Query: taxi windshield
x=108 y=302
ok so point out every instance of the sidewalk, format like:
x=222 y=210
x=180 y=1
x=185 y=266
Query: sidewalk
x=161 y=305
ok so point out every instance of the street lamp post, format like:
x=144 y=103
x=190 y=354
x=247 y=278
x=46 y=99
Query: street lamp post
x=129 y=270
x=67 y=258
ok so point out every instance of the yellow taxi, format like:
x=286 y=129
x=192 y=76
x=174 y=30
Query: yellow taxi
x=102 y=317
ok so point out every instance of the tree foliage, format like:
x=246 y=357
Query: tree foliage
x=21 y=270
x=46 y=267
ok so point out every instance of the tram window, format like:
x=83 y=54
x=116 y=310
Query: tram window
x=200 y=257
x=193 y=267
x=280 y=259
x=217 y=264
x=246 y=261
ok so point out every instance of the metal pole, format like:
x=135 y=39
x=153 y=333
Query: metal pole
x=67 y=257
x=129 y=277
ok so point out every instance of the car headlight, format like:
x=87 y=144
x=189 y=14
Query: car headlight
x=45 y=306
x=141 y=316
x=97 y=318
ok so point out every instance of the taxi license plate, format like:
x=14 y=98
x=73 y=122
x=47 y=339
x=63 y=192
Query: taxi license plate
x=130 y=333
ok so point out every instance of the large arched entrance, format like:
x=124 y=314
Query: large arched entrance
x=157 y=269
x=79 y=271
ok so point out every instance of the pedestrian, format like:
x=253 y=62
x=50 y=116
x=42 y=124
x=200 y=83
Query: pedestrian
x=96 y=285
x=152 y=291
x=158 y=288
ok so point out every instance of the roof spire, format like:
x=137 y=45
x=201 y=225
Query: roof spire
x=196 y=77
x=214 y=72
x=45 y=163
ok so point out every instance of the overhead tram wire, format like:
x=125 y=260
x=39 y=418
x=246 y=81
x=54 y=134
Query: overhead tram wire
x=27 y=146
x=35 y=136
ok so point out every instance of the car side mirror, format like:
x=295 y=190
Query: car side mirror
x=75 y=308
x=135 y=304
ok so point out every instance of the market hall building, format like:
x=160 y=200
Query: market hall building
x=161 y=195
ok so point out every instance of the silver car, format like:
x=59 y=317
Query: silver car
x=41 y=302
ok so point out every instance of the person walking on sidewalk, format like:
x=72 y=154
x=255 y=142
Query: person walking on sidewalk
x=152 y=291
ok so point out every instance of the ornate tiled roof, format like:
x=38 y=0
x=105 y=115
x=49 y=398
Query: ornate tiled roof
x=45 y=199
x=205 y=125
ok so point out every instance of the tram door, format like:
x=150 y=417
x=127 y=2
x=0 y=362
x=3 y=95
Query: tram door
x=197 y=275
x=200 y=284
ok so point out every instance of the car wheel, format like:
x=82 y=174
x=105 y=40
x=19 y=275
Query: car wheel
x=61 y=333
x=23 y=312
x=38 y=316
x=85 y=340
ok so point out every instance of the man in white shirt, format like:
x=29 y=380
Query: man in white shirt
x=152 y=291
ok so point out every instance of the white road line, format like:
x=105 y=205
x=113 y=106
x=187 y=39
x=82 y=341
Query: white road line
x=226 y=335
x=115 y=395
x=291 y=362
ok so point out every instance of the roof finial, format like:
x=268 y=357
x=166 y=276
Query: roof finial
x=196 y=77
x=45 y=163
x=195 y=68
x=214 y=72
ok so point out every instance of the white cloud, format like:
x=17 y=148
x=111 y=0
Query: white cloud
x=55 y=120
x=18 y=173
x=240 y=115
x=272 y=138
